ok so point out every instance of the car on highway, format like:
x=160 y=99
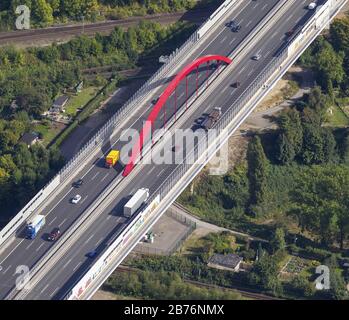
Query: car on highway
x=78 y=184
x=235 y=84
x=155 y=101
x=256 y=57
x=176 y=148
x=54 y=235
x=76 y=199
x=91 y=254
x=290 y=32
x=312 y=5
x=233 y=26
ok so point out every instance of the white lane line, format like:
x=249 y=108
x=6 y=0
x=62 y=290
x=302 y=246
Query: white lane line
x=248 y=23
x=99 y=241
x=159 y=174
x=59 y=202
x=94 y=177
x=182 y=94
x=77 y=266
x=30 y=244
x=11 y=251
x=84 y=199
x=62 y=222
x=109 y=217
x=225 y=88
x=53 y=220
x=263 y=8
x=150 y=171
x=45 y=288
x=255 y=6
x=54 y=291
x=267 y=53
x=67 y=263
x=250 y=72
x=105 y=177
x=89 y=238
x=241 y=21
x=7 y=269
x=39 y=247
x=223 y=40
x=242 y=69
x=232 y=40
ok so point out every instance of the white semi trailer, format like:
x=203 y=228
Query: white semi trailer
x=135 y=202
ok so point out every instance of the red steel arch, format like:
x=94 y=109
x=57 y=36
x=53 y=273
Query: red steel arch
x=161 y=102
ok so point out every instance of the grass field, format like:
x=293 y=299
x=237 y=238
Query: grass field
x=338 y=118
x=48 y=131
x=80 y=100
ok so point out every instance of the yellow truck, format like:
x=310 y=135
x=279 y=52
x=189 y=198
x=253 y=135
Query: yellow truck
x=112 y=158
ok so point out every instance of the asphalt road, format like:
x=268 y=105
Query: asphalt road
x=61 y=213
x=57 y=282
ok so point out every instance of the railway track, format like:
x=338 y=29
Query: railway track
x=64 y=32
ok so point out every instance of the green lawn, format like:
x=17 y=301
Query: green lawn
x=48 y=131
x=80 y=100
x=338 y=118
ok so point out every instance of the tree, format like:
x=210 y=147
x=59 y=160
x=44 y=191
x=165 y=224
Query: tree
x=43 y=12
x=258 y=165
x=278 y=241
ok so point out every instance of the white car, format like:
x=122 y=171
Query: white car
x=76 y=199
x=312 y=6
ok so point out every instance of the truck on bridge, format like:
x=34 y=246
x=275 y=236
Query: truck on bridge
x=34 y=226
x=212 y=118
x=135 y=202
x=112 y=158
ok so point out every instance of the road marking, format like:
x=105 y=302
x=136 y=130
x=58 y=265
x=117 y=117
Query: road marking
x=223 y=40
x=67 y=263
x=30 y=244
x=7 y=269
x=232 y=40
x=84 y=199
x=52 y=294
x=11 y=251
x=242 y=69
x=263 y=8
x=109 y=216
x=89 y=238
x=241 y=21
x=105 y=177
x=99 y=241
x=250 y=72
x=267 y=53
x=248 y=23
x=45 y=288
x=95 y=175
x=256 y=5
x=225 y=88
x=77 y=266
x=181 y=95
x=39 y=247
x=150 y=171
x=62 y=222
x=159 y=174
x=53 y=220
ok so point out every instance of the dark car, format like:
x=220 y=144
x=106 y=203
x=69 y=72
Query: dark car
x=235 y=28
x=54 y=235
x=290 y=33
x=78 y=184
x=155 y=101
x=235 y=84
x=91 y=254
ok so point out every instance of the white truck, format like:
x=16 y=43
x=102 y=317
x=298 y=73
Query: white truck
x=34 y=226
x=136 y=201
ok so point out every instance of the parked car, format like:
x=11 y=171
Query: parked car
x=78 y=184
x=235 y=84
x=54 y=235
x=76 y=199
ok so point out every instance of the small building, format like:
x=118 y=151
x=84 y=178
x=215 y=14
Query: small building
x=29 y=138
x=229 y=262
x=59 y=104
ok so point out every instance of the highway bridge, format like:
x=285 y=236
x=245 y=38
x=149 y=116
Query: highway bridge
x=209 y=63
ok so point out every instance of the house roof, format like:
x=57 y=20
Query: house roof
x=61 y=101
x=226 y=260
x=28 y=138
